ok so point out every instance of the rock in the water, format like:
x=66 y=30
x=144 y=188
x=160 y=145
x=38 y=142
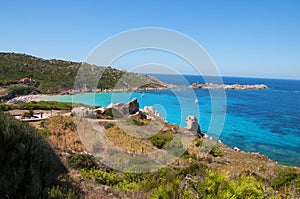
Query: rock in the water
x=133 y=106
x=236 y=149
x=192 y=124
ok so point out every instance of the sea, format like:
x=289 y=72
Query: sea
x=264 y=121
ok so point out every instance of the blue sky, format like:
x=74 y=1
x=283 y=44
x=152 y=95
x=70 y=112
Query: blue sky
x=259 y=38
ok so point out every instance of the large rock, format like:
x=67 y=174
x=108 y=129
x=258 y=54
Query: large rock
x=133 y=106
x=152 y=112
x=192 y=124
x=130 y=108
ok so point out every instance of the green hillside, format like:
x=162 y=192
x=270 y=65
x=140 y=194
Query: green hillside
x=56 y=76
x=29 y=166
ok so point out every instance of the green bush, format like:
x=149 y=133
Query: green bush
x=45 y=132
x=124 y=181
x=5 y=107
x=63 y=192
x=175 y=147
x=166 y=191
x=28 y=164
x=199 y=143
x=161 y=140
x=247 y=187
x=108 y=125
x=28 y=114
x=217 y=185
x=194 y=168
x=135 y=121
x=286 y=177
x=41 y=105
x=82 y=161
x=141 y=164
x=216 y=152
x=21 y=90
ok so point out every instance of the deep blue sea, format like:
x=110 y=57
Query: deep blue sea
x=265 y=121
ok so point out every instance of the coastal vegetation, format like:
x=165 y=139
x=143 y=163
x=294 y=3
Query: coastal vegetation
x=221 y=173
x=29 y=166
x=58 y=76
x=49 y=160
x=40 y=105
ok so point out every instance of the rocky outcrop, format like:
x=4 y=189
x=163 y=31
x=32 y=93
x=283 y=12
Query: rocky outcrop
x=193 y=125
x=151 y=111
x=119 y=109
x=133 y=106
x=229 y=86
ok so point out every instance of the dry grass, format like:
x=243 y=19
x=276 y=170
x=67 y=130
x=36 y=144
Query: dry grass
x=63 y=134
x=3 y=91
x=127 y=142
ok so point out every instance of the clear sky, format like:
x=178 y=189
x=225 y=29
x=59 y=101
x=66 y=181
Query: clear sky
x=244 y=37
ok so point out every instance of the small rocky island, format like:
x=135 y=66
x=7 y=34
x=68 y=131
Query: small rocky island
x=229 y=86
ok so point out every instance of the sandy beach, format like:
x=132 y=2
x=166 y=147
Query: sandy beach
x=26 y=98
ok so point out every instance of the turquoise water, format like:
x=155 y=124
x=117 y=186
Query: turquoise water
x=265 y=121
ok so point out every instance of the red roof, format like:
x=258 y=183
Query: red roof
x=26 y=80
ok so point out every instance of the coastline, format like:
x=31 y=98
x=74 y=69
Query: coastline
x=26 y=98
x=44 y=96
x=229 y=86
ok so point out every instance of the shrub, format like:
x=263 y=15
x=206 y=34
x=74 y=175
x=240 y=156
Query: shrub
x=41 y=105
x=247 y=187
x=135 y=121
x=21 y=90
x=28 y=164
x=199 y=143
x=217 y=185
x=5 y=107
x=161 y=140
x=45 y=132
x=216 y=152
x=63 y=192
x=108 y=125
x=82 y=161
x=141 y=164
x=195 y=168
x=175 y=147
x=285 y=178
x=28 y=114
x=166 y=191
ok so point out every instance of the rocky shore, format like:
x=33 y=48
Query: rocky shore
x=229 y=86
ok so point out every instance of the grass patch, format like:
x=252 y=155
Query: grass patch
x=216 y=152
x=127 y=142
x=81 y=161
x=41 y=105
x=136 y=120
x=161 y=140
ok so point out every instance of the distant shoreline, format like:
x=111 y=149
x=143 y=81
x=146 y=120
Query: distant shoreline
x=229 y=86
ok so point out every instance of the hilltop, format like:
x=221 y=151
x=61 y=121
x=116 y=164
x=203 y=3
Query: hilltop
x=58 y=76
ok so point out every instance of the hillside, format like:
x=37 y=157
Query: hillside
x=57 y=76
x=29 y=165
x=201 y=172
